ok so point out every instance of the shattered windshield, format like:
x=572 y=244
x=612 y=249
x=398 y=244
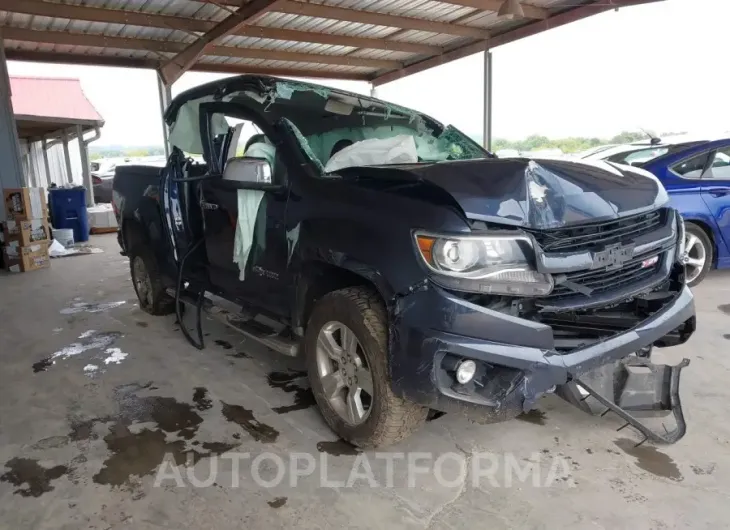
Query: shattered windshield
x=337 y=129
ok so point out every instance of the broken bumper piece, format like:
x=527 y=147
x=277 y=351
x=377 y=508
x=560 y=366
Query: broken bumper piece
x=434 y=329
x=642 y=388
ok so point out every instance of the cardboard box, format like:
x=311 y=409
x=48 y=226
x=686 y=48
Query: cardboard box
x=26 y=232
x=26 y=259
x=25 y=204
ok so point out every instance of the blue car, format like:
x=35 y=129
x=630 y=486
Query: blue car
x=697 y=176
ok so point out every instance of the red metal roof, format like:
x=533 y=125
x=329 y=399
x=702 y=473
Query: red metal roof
x=47 y=97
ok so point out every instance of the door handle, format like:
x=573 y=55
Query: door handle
x=209 y=206
x=719 y=192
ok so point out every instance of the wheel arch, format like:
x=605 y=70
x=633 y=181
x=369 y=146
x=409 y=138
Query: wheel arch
x=317 y=278
x=133 y=233
x=708 y=230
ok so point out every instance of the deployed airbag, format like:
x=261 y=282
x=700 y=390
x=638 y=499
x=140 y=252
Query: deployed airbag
x=248 y=208
x=399 y=149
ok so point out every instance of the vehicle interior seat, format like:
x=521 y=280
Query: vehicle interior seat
x=258 y=146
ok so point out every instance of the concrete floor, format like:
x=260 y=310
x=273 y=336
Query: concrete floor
x=96 y=397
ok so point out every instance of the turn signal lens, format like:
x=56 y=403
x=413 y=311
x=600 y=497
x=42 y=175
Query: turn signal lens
x=425 y=245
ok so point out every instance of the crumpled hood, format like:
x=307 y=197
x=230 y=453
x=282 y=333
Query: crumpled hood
x=538 y=194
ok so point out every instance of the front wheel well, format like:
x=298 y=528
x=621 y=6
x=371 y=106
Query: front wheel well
x=318 y=280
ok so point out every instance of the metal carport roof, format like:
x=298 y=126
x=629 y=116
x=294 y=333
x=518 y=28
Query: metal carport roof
x=369 y=40
x=40 y=116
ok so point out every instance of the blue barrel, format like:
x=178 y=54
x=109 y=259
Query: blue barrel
x=68 y=210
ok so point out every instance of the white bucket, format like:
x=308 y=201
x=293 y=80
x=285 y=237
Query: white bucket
x=65 y=236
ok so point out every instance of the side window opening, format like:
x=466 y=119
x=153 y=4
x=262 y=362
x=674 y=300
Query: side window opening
x=242 y=133
x=245 y=139
x=720 y=168
x=691 y=168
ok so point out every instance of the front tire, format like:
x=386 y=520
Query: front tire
x=148 y=284
x=699 y=254
x=346 y=347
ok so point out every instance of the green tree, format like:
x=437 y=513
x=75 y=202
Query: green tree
x=627 y=137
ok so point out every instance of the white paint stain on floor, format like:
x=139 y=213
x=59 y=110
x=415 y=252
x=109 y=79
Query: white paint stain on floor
x=85 y=307
x=90 y=340
x=87 y=341
x=115 y=355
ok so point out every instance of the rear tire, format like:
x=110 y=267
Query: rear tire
x=148 y=284
x=699 y=256
x=388 y=418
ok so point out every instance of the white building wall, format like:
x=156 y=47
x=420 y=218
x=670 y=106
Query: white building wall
x=33 y=154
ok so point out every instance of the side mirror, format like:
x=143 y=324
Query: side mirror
x=249 y=172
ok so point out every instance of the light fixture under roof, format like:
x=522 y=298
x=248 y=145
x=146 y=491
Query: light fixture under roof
x=511 y=9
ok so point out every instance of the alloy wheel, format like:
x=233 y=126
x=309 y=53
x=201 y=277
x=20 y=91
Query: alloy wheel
x=142 y=281
x=343 y=372
x=695 y=256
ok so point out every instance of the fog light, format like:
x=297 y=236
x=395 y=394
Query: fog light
x=465 y=371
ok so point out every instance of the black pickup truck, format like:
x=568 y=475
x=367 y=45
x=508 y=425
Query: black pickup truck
x=412 y=269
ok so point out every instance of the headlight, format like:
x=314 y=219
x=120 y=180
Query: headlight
x=492 y=264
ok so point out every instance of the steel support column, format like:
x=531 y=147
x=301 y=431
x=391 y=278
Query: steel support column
x=487 y=118
x=67 y=157
x=85 y=169
x=46 y=165
x=11 y=165
x=32 y=176
x=165 y=94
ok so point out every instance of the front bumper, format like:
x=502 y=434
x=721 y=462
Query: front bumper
x=520 y=360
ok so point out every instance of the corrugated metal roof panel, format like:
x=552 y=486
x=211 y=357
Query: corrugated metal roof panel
x=425 y=9
x=291 y=46
x=30 y=98
x=383 y=54
x=216 y=10
x=425 y=37
x=324 y=25
x=184 y=8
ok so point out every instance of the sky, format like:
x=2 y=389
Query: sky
x=660 y=66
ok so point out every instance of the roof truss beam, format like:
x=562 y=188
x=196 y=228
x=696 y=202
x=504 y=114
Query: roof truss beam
x=131 y=62
x=180 y=63
x=294 y=7
x=171 y=47
x=481 y=5
x=149 y=20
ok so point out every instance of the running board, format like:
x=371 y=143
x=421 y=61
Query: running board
x=250 y=327
x=657 y=389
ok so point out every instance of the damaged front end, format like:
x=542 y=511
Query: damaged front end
x=634 y=276
x=617 y=290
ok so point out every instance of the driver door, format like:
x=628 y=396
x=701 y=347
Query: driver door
x=235 y=204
